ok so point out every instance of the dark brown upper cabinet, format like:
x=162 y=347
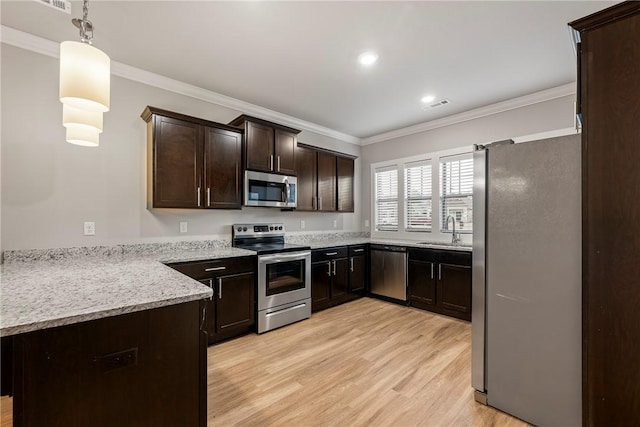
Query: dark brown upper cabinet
x=270 y=147
x=192 y=163
x=325 y=180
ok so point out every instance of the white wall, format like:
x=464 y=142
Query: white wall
x=50 y=187
x=533 y=119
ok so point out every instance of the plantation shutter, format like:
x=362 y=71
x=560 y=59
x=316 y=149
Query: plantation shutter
x=387 y=199
x=456 y=192
x=418 y=196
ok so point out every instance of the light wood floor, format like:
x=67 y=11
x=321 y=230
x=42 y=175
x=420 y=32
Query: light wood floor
x=367 y=362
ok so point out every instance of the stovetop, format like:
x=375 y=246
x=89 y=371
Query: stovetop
x=263 y=238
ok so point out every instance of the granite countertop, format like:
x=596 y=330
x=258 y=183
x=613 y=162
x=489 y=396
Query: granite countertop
x=326 y=243
x=62 y=289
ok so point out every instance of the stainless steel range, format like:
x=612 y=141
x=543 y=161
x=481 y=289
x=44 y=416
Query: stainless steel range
x=284 y=274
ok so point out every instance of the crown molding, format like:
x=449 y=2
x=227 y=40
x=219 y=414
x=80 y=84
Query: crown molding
x=511 y=104
x=43 y=46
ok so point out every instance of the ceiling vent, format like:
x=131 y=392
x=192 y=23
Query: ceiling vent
x=61 y=5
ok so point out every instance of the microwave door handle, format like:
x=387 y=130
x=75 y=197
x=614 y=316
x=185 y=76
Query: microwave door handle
x=288 y=192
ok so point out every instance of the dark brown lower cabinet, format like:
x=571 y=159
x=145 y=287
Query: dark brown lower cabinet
x=231 y=310
x=146 y=368
x=338 y=275
x=440 y=281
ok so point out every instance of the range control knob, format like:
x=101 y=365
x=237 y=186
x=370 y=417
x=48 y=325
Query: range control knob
x=271 y=228
x=280 y=228
x=239 y=228
x=244 y=228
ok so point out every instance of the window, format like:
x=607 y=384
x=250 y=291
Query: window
x=386 y=199
x=417 y=194
x=456 y=192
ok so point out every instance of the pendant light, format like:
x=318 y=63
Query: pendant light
x=85 y=74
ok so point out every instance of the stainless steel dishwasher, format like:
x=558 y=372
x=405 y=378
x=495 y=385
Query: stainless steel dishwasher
x=389 y=271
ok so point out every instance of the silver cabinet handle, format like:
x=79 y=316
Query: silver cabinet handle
x=211 y=286
x=271 y=162
x=319 y=203
x=219 y=287
x=208 y=196
x=431 y=271
x=198 y=193
x=331 y=253
x=358 y=250
x=278 y=163
x=439 y=271
x=352 y=264
x=334 y=267
x=329 y=270
x=215 y=269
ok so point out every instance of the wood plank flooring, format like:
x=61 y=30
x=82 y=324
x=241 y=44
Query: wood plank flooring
x=364 y=363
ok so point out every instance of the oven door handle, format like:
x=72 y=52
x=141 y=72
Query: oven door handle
x=284 y=257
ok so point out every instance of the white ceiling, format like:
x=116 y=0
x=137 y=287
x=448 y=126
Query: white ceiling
x=299 y=58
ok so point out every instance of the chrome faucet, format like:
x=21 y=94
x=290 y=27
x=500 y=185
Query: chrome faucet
x=455 y=237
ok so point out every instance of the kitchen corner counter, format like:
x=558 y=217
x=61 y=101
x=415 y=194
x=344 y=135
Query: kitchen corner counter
x=329 y=243
x=61 y=289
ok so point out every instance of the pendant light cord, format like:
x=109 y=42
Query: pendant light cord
x=86 y=27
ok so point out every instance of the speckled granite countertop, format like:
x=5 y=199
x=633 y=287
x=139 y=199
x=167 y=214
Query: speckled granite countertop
x=62 y=289
x=325 y=243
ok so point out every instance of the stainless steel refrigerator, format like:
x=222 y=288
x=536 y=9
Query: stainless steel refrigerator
x=526 y=304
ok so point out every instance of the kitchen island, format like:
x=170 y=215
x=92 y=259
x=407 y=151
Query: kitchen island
x=105 y=338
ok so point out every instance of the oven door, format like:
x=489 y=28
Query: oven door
x=270 y=190
x=283 y=278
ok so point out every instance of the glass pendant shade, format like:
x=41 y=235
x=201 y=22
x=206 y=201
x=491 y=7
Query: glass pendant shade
x=83 y=135
x=72 y=116
x=85 y=74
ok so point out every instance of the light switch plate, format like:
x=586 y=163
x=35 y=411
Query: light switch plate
x=366 y=222
x=335 y=223
x=89 y=228
x=302 y=224
x=184 y=226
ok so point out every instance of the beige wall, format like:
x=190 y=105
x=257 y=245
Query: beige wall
x=533 y=119
x=50 y=187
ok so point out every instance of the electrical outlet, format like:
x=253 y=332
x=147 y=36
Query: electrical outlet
x=335 y=223
x=184 y=226
x=89 y=228
x=366 y=222
x=302 y=224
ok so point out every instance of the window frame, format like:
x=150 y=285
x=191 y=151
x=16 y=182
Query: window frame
x=407 y=198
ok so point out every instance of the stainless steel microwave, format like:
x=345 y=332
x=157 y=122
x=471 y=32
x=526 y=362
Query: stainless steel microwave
x=270 y=190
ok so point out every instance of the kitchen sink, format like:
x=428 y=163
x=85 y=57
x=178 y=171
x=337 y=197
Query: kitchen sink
x=443 y=244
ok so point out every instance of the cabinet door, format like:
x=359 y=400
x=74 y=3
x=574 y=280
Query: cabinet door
x=326 y=181
x=422 y=283
x=357 y=273
x=345 y=175
x=234 y=297
x=340 y=280
x=177 y=164
x=222 y=168
x=321 y=273
x=210 y=314
x=286 y=143
x=454 y=289
x=306 y=170
x=260 y=155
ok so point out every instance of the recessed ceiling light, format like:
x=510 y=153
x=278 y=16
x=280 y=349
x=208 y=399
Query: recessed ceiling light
x=367 y=58
x=427 y=99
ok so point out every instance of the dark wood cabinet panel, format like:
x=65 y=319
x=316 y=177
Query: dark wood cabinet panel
x=454 y=289
x=422 y=283
x=345 y=175
x=192 y=163
x=440 y=281
x=177 y=163
x=357 y=274
x=234 y=297
x=231 y=311
x=320 y=285
x=340 y=280
x=106 y=371
x=307 y=173
x=326 y=181
x=609 y=93
x=260 y=149
x=223 y=168
x=285 y=151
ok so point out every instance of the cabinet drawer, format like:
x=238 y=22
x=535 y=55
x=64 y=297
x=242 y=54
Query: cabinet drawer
x=221 y=267
x=329 y=253
x=357 y=250
x=422 y=255
x=454 y=257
